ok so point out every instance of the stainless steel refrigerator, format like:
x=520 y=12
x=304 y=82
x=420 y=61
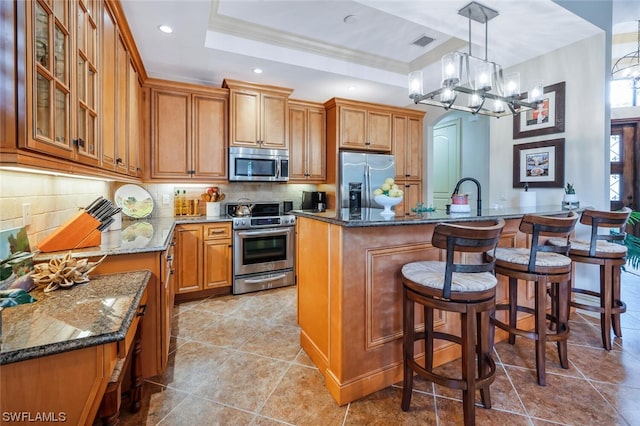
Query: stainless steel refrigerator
x=370 y=170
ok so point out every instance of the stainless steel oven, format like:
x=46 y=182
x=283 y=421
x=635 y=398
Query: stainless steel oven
x=263 y=248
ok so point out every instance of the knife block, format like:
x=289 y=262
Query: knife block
x=78 y=232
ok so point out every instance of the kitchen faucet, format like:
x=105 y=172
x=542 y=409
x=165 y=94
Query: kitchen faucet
x=455 y=191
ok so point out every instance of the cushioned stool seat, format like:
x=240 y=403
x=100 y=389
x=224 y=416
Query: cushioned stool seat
x=464 y=288
x=603 y=250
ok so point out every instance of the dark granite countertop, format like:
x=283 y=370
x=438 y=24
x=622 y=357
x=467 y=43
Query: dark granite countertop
x=371 y=217
x=84 y=315
x=136 y=236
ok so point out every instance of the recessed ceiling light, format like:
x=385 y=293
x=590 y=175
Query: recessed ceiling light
x=350 y=19
x=257 y=70
x=165 y=29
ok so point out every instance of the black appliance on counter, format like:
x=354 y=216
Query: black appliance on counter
x=263 y=246
x=314 y=200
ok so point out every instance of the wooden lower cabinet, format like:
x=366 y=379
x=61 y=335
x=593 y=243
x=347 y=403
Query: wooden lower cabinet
x=156 y=327
x=350 y=301
x=64 y=388
x=412 y=196
x=203 y=259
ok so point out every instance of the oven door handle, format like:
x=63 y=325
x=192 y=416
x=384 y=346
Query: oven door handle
x=264 y=280
x=263 y=232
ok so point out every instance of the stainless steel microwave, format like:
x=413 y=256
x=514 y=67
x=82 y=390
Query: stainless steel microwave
x=258 y=165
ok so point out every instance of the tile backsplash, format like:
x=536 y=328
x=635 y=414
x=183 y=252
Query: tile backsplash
x=54 y=199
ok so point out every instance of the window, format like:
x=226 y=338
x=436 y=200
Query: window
x=625 y=92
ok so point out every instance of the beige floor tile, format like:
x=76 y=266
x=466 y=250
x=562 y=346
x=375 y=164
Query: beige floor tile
x=226 y=331
x=617 y=367
x=277 y=341
x=244 y=381
x=383 y=408
x=302 y=399
x=565 y=400
x=190 y=365
x=157 y=402
x=198 y=411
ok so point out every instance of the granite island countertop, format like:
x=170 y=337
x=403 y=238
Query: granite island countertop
x=368 y=217
x=94 y=313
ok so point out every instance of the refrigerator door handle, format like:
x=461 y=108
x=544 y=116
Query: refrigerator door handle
x=367 y=184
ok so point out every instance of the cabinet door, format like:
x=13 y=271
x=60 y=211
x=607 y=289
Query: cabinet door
x=244 y=118
x=297 y=143
x=378 y=131
x=274 y=121
x=49 y=80
x=353 y=127
x=171 y=134
x=209 y=137
x=412 y=196
x=413 y=158
x=217 y=263
x=108 y=90
x=400 y=147
x=188 y=258
x=122 y=78
x=133 y=137
x=86 y=138
x=316 y=145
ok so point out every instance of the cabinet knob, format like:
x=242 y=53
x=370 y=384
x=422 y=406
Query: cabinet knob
x=118 y=160
x=79 y=142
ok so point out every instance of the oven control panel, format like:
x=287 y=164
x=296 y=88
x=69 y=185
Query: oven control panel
x=263 y=222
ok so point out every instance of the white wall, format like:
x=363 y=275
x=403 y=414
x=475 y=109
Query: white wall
x=586 y=125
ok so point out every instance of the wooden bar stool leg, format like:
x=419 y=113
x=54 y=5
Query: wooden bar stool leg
x=428 y=338
x=513 y=307
x=408 y=344
x=484 y=347
x=562 y=318
x=615 y=301
x=468 y=365
x=605 y=303
x=541 y=329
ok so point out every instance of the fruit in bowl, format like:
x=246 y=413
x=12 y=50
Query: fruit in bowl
x=388 y=195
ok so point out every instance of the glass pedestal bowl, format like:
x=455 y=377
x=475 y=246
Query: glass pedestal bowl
x=387 y=202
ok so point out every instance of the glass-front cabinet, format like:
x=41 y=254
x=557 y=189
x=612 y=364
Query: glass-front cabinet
x=62 y=65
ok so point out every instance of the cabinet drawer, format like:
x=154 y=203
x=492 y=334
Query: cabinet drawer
x=217 y=232
x=125 y=344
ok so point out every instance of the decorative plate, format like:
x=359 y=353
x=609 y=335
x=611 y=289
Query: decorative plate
x=134 y=200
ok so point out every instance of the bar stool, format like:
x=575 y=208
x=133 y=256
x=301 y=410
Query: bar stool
x=546 y=266
x=464 y=288
x=602 y=249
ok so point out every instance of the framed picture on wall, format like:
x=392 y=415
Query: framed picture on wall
x=547 y=119
x=539 y=164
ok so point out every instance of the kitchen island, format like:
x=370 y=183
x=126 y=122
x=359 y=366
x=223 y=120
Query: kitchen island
x=350 y=291
x=58 y=353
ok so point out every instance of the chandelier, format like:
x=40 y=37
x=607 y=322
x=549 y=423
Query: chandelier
x=628 y=66
x=476 y=85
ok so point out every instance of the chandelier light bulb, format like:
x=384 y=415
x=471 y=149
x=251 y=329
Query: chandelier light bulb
x=475 y=100
x=447 y=95
x=536 y=92
x=415 y=83
x=512 y=85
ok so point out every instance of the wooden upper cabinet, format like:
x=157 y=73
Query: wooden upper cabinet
x=361 y=126
x=171 y=133
x=122 y=106
x=109 y=89
x=407 y=146
x=209 y=137
x=50 y=92
x=133 y=122
x=189 y=134
x=258 y=115
x=307 y=142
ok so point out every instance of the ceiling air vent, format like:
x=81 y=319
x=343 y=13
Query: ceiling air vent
x=422 y=41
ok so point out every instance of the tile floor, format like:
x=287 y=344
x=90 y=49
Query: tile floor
x=237 y=361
